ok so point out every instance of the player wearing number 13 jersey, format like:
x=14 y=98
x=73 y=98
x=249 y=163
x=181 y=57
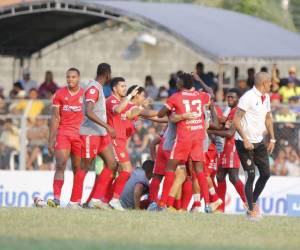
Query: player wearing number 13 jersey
x=190 y=134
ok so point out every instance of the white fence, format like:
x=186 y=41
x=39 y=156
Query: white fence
x=17 y=188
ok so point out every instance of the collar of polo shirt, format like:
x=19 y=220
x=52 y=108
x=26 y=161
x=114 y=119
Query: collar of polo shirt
x=257 y=92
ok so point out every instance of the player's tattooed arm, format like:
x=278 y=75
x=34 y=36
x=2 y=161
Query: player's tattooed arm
x=163 y=112
x=180 y=117
x=148 y=113
x=237 y=124
x=93 y=117
x=227 y=133
x=54 y=122
x=138 y=192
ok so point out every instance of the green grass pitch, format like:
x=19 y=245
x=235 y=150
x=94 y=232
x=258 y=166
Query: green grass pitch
x=30 y=228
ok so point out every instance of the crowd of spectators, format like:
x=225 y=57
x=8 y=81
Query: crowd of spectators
x=27 y=97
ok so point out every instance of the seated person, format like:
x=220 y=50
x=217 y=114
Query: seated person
x=137 y=186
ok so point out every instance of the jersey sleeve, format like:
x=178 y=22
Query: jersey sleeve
x=244 y=103
x=205 y=98
x=56 y=101
x=110 y=105
x=91 y=95
x=171 y=102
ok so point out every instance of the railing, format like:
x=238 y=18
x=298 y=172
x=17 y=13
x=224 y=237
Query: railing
x=24 y=134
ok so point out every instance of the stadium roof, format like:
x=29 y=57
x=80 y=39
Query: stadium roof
x=30 y=25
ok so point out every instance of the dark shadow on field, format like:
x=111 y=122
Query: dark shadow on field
x=10 y=243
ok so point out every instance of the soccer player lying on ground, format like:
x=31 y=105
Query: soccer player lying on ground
x=95 y=136
x=189 y=139
x=230 y=162
x=137 y=186
x=64 y=139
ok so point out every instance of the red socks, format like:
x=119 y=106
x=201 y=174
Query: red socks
x=57 y=186
x=170 y=201
x=178 y=204
x=222 y=192
x=102 y=183
x=239 y=187
x=120 y=183
x=203 y=186
x=78 y=185
x=187 y=192
x=168 y=182
x=110 y=191
x=154 y=188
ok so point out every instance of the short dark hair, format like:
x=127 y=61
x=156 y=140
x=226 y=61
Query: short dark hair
x=103 y=69
x=18 y=85
x=188 y=80
x=74 y=69
x=115 y=81
x=236 y=90
x=140 y=89
x=200 y=65
x=148 y=166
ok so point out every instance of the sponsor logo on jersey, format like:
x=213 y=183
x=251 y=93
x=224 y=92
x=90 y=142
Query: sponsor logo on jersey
x=72 y=108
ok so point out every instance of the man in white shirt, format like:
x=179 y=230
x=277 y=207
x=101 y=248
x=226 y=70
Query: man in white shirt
x=252 y=118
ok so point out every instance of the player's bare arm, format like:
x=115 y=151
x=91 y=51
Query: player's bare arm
x=93 y=117
x=153 y=145
x=270 y=129
x=123 y=104
x=181 y=117
x=204 y=86
x=163 y=112
x=226 y=133
x=138 y=192
x=214 y=117
x=54 y=122
x=237 y=123
x=158 y=120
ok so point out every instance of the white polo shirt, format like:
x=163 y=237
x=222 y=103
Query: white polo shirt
x=253 y=122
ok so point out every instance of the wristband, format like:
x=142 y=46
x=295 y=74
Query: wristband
x=273 y=140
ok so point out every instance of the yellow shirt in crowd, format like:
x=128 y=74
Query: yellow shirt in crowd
x=35 y=109
x=286 y=92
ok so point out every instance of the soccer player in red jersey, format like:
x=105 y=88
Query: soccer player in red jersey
x=230 y=162
x=189 y=140
x=64 y=139
x=120 y=109
x=95 y=135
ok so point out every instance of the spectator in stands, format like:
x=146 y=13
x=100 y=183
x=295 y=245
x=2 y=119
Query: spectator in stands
x=275 y=97
x=172 y=84
x=27 y=83
x=37 y=136
x=1 y=91
x=288 y=91
x=264 y=69
x=162 y=94
x=16 y=90
x=279 y=164
x=138 y=144
x=9 y=142
x=48 y=87
x=3 y=106
x=291 y=166
x=206 y=78
x=150 y=88
x=294 y=105
x=250 y=79
x=293 y=75
x=35 y=106
x=242 y=85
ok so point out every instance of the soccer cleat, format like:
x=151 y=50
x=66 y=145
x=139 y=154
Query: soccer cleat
x=153 y=206
x=53 y=203
x=216 y=204
x=251 y=215
x=73 y=205
x=257 y=211
x=98 y=204
x=38 y=202
x=115 y=204
x=196 y=210
x=208 y=209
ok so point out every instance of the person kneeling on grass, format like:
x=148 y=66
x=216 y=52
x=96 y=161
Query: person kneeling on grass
x=137 y=186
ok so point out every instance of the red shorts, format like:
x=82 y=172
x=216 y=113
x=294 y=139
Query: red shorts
x=92 y=145
x=69 y=142
x=211 y=160
x=162 y=157
x=184 y=149
x=230 y=159
x=121 y=154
